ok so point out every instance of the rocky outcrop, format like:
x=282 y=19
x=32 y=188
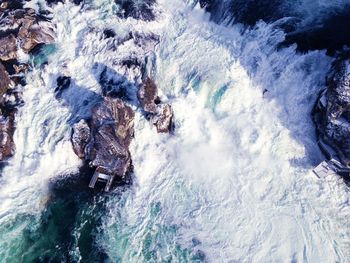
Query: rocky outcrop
x=104 y=139
x=161 y=115
x=332 y=112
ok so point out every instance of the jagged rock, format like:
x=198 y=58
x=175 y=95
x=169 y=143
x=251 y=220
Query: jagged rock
x=80 y=138
x=332 y=113
x=164 y=119
x=8 y=48
x=160 y=114
x=7 y=145
x=105 y=140
x=4 y=81
x=30 y=35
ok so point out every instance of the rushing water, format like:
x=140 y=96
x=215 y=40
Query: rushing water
x=233 y=184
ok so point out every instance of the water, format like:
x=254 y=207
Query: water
x=233 y=184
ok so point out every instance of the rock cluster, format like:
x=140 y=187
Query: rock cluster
x=160 y=114
x=20 y=29
x=104 y=139
x=332 y=113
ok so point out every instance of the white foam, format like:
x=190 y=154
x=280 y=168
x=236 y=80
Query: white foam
x=237 y=173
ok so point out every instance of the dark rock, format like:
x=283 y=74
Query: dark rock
x=105 y=140
x=136 y=9
x=161 y=115
x=108 y=33
x=333 y=119
x=5 y=81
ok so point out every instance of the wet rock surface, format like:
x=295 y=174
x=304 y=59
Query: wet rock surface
x=7 y=129
x=161 y=115
x=104 y=139
x=332 y=113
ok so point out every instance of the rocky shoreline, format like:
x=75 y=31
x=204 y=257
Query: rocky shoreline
x=21 y=30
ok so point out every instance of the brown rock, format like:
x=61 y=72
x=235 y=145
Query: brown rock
x=8 y=48
x=112 y=130
x=148 y=96
x=105 y=140
x=30 y=34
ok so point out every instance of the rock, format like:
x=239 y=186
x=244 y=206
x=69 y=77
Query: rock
x=31 y=35
x=148 y=96
x=7 y=145
x=4 y=81
x=8 y=48
x=80 y=138
x=333 y=118
x=105 y=140
x=164 y=119
x=161 y=115
x=26 y=28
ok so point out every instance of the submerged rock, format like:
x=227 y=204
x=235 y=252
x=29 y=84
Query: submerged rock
x=161 y=115
x=136 y=9
x=104 y=140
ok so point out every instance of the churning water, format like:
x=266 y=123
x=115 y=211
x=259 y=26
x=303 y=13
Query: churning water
x=233 y=184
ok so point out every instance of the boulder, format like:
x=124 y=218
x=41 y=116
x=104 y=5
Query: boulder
x=164 y=119
x=104 y=141
x=161 y=115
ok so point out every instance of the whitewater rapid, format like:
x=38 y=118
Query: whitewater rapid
x=233 y=184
